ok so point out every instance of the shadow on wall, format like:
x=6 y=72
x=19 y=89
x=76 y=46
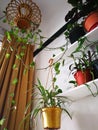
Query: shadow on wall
x=87 y=121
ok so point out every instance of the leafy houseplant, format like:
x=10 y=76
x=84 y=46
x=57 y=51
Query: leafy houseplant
x=81 y=7
x=49 y=100
x=82 y=68
x=50 y=104
x=25 y=36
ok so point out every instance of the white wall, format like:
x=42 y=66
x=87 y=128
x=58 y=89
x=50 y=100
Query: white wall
x=85 y=111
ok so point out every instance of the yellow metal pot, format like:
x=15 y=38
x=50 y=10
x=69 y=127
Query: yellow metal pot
x=51 y=117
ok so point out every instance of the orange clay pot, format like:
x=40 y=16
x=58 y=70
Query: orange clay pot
x=83 y=76
x=91 y=21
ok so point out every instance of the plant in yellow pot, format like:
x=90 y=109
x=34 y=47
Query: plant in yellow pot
x=50 y=104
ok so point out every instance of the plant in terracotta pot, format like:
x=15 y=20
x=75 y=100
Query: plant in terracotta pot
x=82 y=9
x=82 y=68
x=50 y=104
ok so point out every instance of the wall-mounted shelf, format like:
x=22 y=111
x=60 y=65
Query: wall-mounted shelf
x=81 y=91
x=92 y=36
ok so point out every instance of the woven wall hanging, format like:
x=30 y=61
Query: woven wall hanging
x=24 y=14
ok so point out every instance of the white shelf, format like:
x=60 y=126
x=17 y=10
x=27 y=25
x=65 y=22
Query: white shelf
x=92 y=36
x=81 y=91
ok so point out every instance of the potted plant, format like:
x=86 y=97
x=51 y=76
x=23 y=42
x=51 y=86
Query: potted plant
x=82 y=68
x=83 y=8
x=50 y=104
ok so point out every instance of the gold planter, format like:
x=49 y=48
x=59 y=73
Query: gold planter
x=51 y=117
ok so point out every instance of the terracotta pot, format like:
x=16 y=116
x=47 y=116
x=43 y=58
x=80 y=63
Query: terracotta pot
x=91 y=21
x=83 y=76
x=51 y=117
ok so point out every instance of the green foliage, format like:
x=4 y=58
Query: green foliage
x=2 y=121
x=84 y=6
x=7 y=55
x=32 y=64
x=57 y=67
x=81 y=63
x=15 y=81
x=48 y=98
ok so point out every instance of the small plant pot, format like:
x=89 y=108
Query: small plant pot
x=83 y=76
x=51 y=117
x=76 y=33
x=91 y=21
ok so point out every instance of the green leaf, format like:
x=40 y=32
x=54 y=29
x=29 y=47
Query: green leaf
x=41 y=43
x=13 y=102
x=23 y=30
x=63 y=62
x=4 y=20
x=14 y=66
x=22 y=54
x=80 y=44
x=25 y=70
x=56 y=67
x=62 y=49
x=36 y=112
x=18 y=56
x=97 y=48
x=59 y=90
x=8 y=36
x=53 y=55
x=11 y=48
x=5 y=129
x=15 y=81
x=19 y=39
x=7 y=55
x=32 y=64
x=23 y=47
x=24 y=40
x=35 y=38
x=29 y=35
x=54 y=79
x=2 y=121
x=12 y=95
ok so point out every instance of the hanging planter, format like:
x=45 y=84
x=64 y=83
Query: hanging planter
x=23 y=14
x=91 y=21
x=51 y=117
x=50 y=103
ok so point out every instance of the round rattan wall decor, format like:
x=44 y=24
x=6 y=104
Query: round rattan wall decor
x=24 y=14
